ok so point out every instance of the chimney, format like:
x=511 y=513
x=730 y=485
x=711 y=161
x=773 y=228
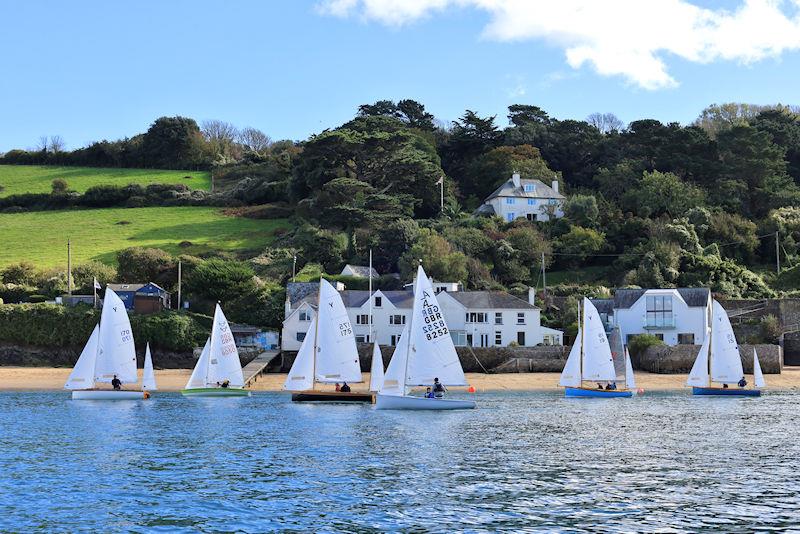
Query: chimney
x=532 y=296
x=555 y=186
x=515 y=179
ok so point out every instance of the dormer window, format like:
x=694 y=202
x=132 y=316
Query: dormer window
x=528 y=188
x=378 y=302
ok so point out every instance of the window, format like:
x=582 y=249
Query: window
x=521 y=339
x=397 y=319
x=659 y=312
x=484 y=340
x=531 y=202
x=510 y=217
x=362 y=319
x=378 y=302
x=552 y=202
x=498 y=317
x=660 y=337
x=361 y=339
x=305 y=316
x=509 y=201
x=459 y=338
x=528 y=188
x=393 y=340
x=474 y=317
x=498 y=337
x=685 y=339
x=530 y=217
x=521 y=318
x=301 y=336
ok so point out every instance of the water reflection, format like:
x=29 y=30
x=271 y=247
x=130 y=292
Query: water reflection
x=519 y=462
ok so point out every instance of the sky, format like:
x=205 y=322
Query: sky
x=93 y=70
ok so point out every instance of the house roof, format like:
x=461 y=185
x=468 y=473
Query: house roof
x=356 y=298
x=482 y=300
x=133 y=287
x=603 y=305
x=694 y=296
x=362 y=271
x=540 y=190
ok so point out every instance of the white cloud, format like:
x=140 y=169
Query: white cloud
x=629 y=38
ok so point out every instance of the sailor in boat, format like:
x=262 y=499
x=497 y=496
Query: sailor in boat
x=345 y=388
x=226 y=383
x=116 y=383
x=438 y=388
x=742 y=382
x=338 y=387
x=428 y=393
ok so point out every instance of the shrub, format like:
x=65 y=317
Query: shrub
x=142 y=265
x=104 y=196
x=23 y=272
x=770 y=329
x=59 y=185
x=640 y=343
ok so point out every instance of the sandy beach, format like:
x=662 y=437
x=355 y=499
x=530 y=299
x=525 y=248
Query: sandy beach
x=49 y=378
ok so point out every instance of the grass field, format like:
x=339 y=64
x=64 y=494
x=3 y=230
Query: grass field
x=41 y=237
x=16 y=179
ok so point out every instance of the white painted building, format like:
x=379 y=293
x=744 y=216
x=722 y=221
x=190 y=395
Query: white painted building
x=676 y=316
x=524 y=199
x=476 y=318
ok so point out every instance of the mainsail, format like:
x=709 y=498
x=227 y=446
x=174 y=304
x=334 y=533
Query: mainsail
x=301 y=375
x=223 y=363
x=758 y=376
x=148 y=376
x=198 y=378
x=571 y=375
x=337 y=354
x=431 y=352
x=82 y=375
x=726 y=364
x=376 y=369
x=630 y=379
x=598 y=364
x=116 y=354
x=394 y=379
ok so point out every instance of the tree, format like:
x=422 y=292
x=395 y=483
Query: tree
x=218 y=280
x=578 y=244
x=221 y=137
x=605 y=122
x=56 y=144
x=784 y=127
x=439 y=259
x=142 y=265
x=85 y=274
x=409 y=111
x=582 y=210
x=254 y=140
x=174 y=143
x=574 y=149
x=719 y=117
x=21 y=273
x=659 y=193
x=487 y=172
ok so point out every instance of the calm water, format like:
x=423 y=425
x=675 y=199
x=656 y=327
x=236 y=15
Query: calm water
x=532 y=461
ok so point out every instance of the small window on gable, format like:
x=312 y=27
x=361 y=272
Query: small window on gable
x=378 y=302
x=528 y=188
x=509 y=201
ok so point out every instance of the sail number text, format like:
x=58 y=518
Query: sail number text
x=345 y=329
x=126 y=336
x=434 y=326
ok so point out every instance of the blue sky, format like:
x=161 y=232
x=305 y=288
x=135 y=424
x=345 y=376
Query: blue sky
x=94 y=70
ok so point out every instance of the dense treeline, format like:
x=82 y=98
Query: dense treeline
x=648 y=204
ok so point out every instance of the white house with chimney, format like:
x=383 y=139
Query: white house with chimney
x=677 y=316
x=520 y=198
x=474 y=318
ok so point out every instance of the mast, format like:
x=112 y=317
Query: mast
x=410 y=324
x=710 y=352
x=583 y=335
x=316 y=329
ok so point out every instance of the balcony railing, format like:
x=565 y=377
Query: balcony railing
x=660 y=322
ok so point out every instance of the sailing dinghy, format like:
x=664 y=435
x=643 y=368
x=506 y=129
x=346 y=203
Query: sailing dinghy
x=218 y=372
x=109 y=352
x=425 y=351
x=590 y=360
x=328 y=354
x=719 y=362
x=148 y=375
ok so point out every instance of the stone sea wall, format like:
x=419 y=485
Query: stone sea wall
x=679 y=359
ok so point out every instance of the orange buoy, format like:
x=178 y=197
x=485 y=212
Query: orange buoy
x=471 y=389
x=640 y=391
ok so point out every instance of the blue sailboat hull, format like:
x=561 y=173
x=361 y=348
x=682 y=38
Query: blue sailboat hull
x=601 y=393
x=726 y=392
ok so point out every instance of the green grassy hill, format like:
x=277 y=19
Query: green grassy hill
x=17 y=179
x=41 y=237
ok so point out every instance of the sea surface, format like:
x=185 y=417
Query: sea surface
x=520 y=462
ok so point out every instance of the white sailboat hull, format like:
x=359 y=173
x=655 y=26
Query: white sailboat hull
x=393 y=402
x=108 y=394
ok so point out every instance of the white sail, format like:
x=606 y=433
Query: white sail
x=223 y=361
x=301 y=375
x=116 y=354
x=376 y=370
x=698 y=377
x=598 y=364
x=757 y=374
x=571 y=375
x=630 y=379
x=431 y=352
x=148 y=375
x=394 y=379
x=726 y=364
x=337 y=354
x=198 y=378
x=82 y=375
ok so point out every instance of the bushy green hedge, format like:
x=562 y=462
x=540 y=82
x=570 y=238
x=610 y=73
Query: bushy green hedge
x=50 y=325
x=640 y=343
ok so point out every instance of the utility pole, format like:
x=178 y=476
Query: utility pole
x=180 y=301
x=544 y=278
x=69 y=267
x=777 y=252
x=294 y=267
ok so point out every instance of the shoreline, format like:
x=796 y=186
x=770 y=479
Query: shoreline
x=171 y=380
